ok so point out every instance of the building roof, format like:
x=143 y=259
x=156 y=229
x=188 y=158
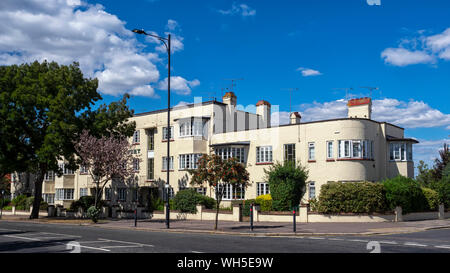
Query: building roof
x=391 y=138
x=262 y=102
x=179 y=107
x=246 y=143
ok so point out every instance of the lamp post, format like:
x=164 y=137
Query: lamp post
x=167 y=45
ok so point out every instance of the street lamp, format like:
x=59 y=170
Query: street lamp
x=167 y=45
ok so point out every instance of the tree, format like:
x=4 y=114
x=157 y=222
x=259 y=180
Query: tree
x=425 y=175
x=219 y=174
x=287 y=184
x=441 y=163
x=44 y=107
x=105 y=159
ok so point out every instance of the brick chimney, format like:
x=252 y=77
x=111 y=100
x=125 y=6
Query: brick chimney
x=295 y=118
x=263 y=110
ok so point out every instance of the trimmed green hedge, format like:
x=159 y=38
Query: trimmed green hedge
x=405 y=192
x=188 y=199
x=357 y=197
x=432 y=198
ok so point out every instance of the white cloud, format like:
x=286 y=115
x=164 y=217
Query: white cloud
x=179 y=85
x=68 y=31
x=404 y=57
x=412 y=114
x=279 y=118
x=239 y=9
x=307 y=72
x=419 y=50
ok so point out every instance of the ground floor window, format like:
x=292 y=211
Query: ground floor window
x=122 y=194
x=201 y=190
x=64 y=194
x=83 y=192
x=312 y=190
x=232 y=192
x=262 y=188
x=108 y=193
x=49 y=198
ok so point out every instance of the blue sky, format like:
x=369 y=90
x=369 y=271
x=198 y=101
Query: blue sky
x=402 y=47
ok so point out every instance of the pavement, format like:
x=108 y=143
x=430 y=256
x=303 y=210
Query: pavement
x=243 y=228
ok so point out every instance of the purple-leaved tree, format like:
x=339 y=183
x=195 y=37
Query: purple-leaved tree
x=105 y=159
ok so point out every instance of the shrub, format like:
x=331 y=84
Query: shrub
x=357 y=197
x=85 y=202
x=432 y=198
x=4 y=202
x=93 y=213
x=405 y=192
x=287 y=183
x=442 y=187
x=156 y=204
x=246 y=206
x=186 y=200
x=206 y=201
x=265 y=201
x=19 y=202
x=43 y=206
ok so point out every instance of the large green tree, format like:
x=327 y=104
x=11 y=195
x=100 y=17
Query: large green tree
x=44 y=107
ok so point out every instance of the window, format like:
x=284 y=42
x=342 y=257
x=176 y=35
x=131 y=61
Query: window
x=289 y=152
x=64 y=169
x=359 y=149
x=49 y=176
x=136 y=164
x=49 y=198
x=64 y=194
x=264 y=154
x=164 y=163
x=136 y=137
x=122 y=194
x=191 y=128
x=151 y=139
x=189 y=161
x=312 y=190
x=83 y=192
x=83 y=169
x=108 y=193
x=150 y=168
x=232 y=192
x=311 y=151
x=330 y=149
x=201 y=190
x=262 y=188
x=229 y=152
x=400 y=151
x=165 y=133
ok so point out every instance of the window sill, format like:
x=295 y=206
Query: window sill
x=401 y=160
x=311 y=161
x=136 y=143
x=331 y=160
x=355 y=159
x=164 y=171
x=264 y=163
x=166 y=140
x=83 y=173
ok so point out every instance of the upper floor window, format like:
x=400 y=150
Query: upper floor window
x=64 y=169
x=330 y=149
x=49 y=176
x=229 y=152
x=136 y=164
x=289 y=152
x=400 y=151
x=151 y=139
x=189 y=161
x=136 y=137
x=64 y=194
x=356 y=149
x=191 y=127
x=264 y=154
x=165 y=133
x=311 y=151
x=164 y=166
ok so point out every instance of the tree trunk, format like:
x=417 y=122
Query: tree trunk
x=38 y=191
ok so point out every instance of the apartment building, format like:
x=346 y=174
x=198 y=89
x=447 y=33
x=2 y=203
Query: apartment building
x=350 y=149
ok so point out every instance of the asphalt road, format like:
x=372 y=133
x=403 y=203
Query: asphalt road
x=23 y=237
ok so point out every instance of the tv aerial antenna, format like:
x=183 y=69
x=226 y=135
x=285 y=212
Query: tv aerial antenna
x=233 y=84
x=291 y=90
x=346 y=91
x=371 y=89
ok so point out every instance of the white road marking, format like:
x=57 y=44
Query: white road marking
x=445 y=246
x=413 y=244
x=389 y=242
x=108 y=240
x=358 y=240
x=122 y=246
x=9 y=229
x=316 y=238
x=336 y=239
x=196 y=251
x=89 y=247
x=20 y=237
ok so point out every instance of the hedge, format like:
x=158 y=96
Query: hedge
x=356 y=197
x=432 y=198
x=405 y=192
x=188 y=199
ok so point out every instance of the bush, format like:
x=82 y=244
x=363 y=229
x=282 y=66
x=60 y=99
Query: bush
x=442 y=187
x=20 y=202
x=156 y=204
x=287 y=183
x=405 y=192
x=206 y=201
x=93 y=213
x=357 y=197
x=85 y=202
x=43 y=206
x=4 y=202
x=265 y=202
x=186 y=201
x=432 y=198
x=246 y=206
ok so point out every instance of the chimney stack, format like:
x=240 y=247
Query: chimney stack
x=263 y=110
x=295 y=118
x=229 y=98
x=360 y=108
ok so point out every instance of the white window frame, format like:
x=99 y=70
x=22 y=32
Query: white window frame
x=286 y=153
x=122 y=194
x=264 y=154
x=188 y=161
x=311 y=151
x=311 y=190
x=136 y=137
x=165 y=133
x=230 y=192
x=164 y=163
x=400 y=151
x=262 y=188
x=229 y=152
x=64 y=194
x=330 y=152
x=83 y=192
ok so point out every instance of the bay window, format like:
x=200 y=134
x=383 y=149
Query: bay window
x=400 y=151
x=191 y=127
x=229 y=152
x=358 y=149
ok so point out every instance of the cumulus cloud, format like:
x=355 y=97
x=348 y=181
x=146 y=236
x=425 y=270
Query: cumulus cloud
x=411 y=114
x=239 y=9
x=69 y=30
x=179 y=85
x=428 y=150
x=307 y=72
x=279 y=118
x=419 y=50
